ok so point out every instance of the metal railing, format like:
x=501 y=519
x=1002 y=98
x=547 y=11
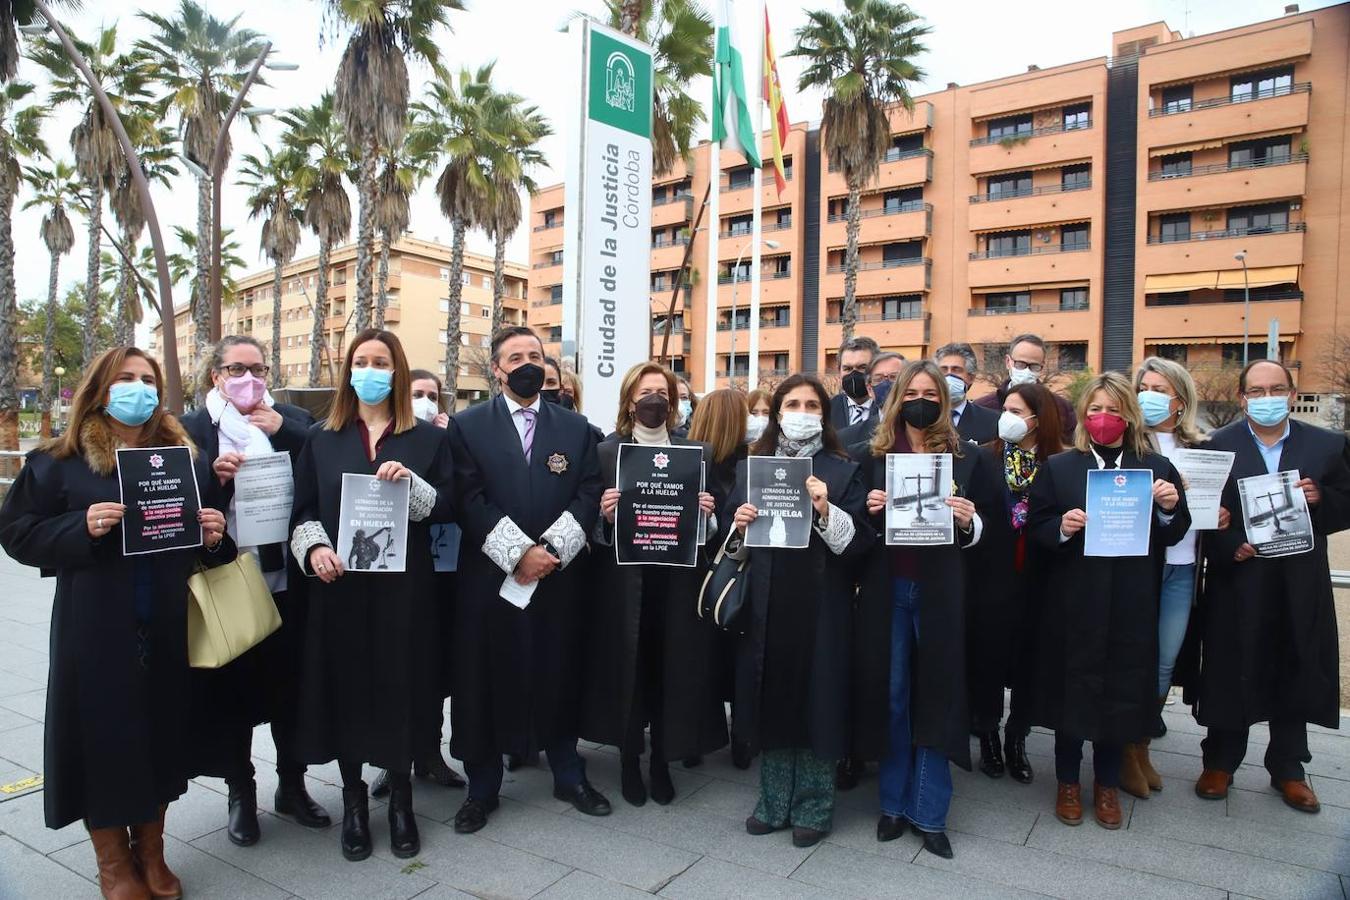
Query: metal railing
x=548 y=264
x=1176 y=109
x=895 y=155
x=673 y=198
x=682 y=241
x=1016 y=310
x=835 y=318
x=1152 y=300
x=728 y=278
x=1222 y=233
x=1215 y=168
x=548 y=226
x=725 y=182
x=745 y=326
x=764 y=229
x=1030 y=192
x=908 y=206
x=1030 y=251
x=883 y=264
x=1018 y=137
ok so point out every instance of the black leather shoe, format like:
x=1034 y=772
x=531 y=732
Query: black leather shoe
x=380 y=788
x=585 y=798
x=847 y=773
x=991 y=755
x=936 y=843
x=757 y=828
x=1015 y=751
x=663 y=789
x=806 y=837
x=889 y=827
x=473 y=815
x=404 y=841
x=741 y=757
x=291 y=799
x=436 y=769
x=630 y=780
x=355 y=823
x=243 y=828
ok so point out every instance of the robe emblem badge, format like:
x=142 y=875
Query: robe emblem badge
x=557 y=463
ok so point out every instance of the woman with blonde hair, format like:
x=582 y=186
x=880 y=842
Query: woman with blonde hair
x=720 y=422
x=1098 y=679
x=118 y=678
x=757 y=403
x=910 y=709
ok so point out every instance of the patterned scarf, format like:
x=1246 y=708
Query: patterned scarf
x=1019 y=470
x=799 y=449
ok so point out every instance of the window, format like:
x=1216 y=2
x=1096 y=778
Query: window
x=1012 y=243
x=464 y=278
x=838 y=207
x=658 y=195
x=555 y=258
x=555 y=334
x=898 y=254
x=1009 y=127
x=339 y=276
x=741 y=177
x=1076 y=178
x=742 y=320
x=1071 y=299
x=550 y=218
x=903 y=145
x=1232 y=353
x=893 y=308
x=677 y=364
x=1002 y=304
x=1175 y=352
x=897 y=201
x=781 y=266
x=1268 y=219
x=445 y=274
x=1260 y=85
x=464 y=309
x=737 y=272
x=1269 y=292
x=1073 y=237
x=1077 y=116
x=1176 y=165
x=1072 y=356
x=737 y=225
x=1013 y=184
x=787 y=168
x=1269 y=152
x=1176 y=99
x=555 y=293
x=777 y=317
x=1174 y=227
x=784 y=217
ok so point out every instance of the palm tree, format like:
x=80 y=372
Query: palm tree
x=201 y=63
x=462 y=121
x=153 y=145
x=527 y=127
x=273 y=197
x=12 y=14
x=400 y=174
x=315 y=134
x=371 y=96
x=53 y=187
x=20 y=137
x=98 y=156
x=864 y=60
x=183 y=264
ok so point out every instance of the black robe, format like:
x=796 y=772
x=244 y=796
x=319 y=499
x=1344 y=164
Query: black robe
x=262 y=684
x=1097 y=671
x=516 y=674
x=1268 y=642
x=371 y=663
x=116 y=734
x=792 y=666
x=939 y=716
x=693 y=721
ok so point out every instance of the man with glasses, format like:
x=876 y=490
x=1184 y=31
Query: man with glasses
x=1025 y=361
x=1267 y=625
x=958 y=364
x=880 y=379
x=854 y=403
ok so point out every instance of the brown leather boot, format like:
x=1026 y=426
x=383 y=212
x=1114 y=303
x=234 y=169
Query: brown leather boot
x=1106 y=804
x=1146 y=766
x=1069 y=804
x=1213 y=784
x=147 y=844
x=117 y=875
x=1132 y=779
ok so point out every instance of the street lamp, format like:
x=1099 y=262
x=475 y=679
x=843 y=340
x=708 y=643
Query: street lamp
x=58 y=372
x=1246 y=306
x=735 y=281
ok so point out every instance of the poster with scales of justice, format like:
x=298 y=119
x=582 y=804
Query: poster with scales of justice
x=1275 y=514
x=373 y=524
x=917 y=488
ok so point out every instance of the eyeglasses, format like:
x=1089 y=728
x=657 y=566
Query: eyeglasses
x=1257 y=392
x=234 y=370
x=1035 y=367
x=881 y=379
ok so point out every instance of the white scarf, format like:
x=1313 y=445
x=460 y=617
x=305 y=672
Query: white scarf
x=237 y=433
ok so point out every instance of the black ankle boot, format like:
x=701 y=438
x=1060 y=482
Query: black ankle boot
x=991 y=755
x=243 y=828
x=630 y=780
x=292 y=799
x=663 y=789
x=404 y=842
x=355 y=822
x=1015 y=749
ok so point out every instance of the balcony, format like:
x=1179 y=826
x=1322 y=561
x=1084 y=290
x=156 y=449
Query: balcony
x=674 y=210
x=1031 y=209
x=771 y=340
x=1230 y=233
x=742 y=197
x=882 y=224
x=1041 y=264
x=1030 y=251
x=765 y=228
x=884 y=277
x=549 y=226
x=1023 y=136
x=907 y=330
x=1051 y=321
x=1201 y=253
x=548 y=264
x=1038 y=147
x=1219 y=118
x=1166 y=323
x=764 y=275
x=1236 y=184
x=1300 y=87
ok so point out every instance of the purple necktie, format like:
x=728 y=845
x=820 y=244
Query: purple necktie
x=527 y=439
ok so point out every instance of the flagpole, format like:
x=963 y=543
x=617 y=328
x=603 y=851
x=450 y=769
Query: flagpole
x=714 y=226
x=757 y=210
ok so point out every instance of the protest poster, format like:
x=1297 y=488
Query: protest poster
x=373 y=524
x=1275 y=514
x=776 y=486
x=657 y=519
x=917 y=488
x=159 y=489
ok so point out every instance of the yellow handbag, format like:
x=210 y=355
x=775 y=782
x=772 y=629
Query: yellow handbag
x=230 y=610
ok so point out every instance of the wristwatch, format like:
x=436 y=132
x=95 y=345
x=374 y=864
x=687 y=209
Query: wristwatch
x=552 y=550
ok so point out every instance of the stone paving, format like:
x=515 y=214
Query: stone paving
x=1007 y=840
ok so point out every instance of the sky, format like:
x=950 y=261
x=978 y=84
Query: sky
x=971 y=41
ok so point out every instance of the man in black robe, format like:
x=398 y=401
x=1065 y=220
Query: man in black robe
x=973 y=422
x=1268 y=624
x=853 y=404
x=1025 y=362
x=528 y=486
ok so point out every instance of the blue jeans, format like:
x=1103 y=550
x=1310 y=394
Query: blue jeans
x=1174 y=611
x=916 y=782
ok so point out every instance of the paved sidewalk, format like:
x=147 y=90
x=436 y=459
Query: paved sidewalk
x=1007 y=841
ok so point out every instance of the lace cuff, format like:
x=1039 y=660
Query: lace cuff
x=421 y=498
x=567 y=537
x=305 y=537
x=506 y=544
x=839 y=530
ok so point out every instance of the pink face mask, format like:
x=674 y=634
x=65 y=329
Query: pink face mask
x=245 y=391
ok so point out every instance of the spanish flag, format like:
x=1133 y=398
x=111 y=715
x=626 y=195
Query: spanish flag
x=778 y=117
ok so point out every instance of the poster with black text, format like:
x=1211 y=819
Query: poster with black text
x=657 y=520
x=1275 y=514
x=917 y=488
x=373 y=524
x=776 y=486
x=159 y=490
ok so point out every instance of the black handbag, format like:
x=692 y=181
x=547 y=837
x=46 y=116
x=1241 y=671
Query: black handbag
x=725 y=595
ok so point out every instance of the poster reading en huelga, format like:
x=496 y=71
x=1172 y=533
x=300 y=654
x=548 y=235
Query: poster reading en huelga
x=917 y=488
x=776 y=486
x=656 y=522
x=159 y=490
x=373 y=524
x=1275 y=514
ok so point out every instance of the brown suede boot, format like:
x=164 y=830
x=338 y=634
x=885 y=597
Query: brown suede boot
x=1146 y=766
x=1132 y=780
x=117 y=875
x=147 y=845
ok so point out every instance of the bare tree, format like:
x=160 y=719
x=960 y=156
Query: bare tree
x=1216 y=387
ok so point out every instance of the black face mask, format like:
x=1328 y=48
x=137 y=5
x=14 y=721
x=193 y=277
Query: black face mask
x=565 y=401
x=855 y=385
x=551 y=395
x=652 y=411
x=525 y=380
x=920 y=412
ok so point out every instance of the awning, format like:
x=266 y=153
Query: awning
x=1260 y=135
x=1155 y=152
x=1187 y=281
x=1228 y=278
x=1226 y=73
x=1033 y=168
x=1260 y=277
x=1001 y=289
x=1223 y=339
x=1039 y=226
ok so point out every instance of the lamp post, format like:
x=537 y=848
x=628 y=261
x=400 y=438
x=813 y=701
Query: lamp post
x=735 y=281
x=58 y=372
x=1246 y=306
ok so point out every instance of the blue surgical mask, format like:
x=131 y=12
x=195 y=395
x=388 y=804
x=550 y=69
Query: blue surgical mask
x=686 y=410
x=1156 y=407
x=372 y=385
x=131 y=402
x=956 y=386
x=1268 y=411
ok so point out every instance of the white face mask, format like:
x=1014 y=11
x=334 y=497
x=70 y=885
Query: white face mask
x=754 y=427
x=424 y=408
x=956 y=386
x=1012 y=427
x=1022 y=376
x=800 y=426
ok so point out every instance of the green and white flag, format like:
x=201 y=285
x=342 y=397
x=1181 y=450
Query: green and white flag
x=731 y=122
